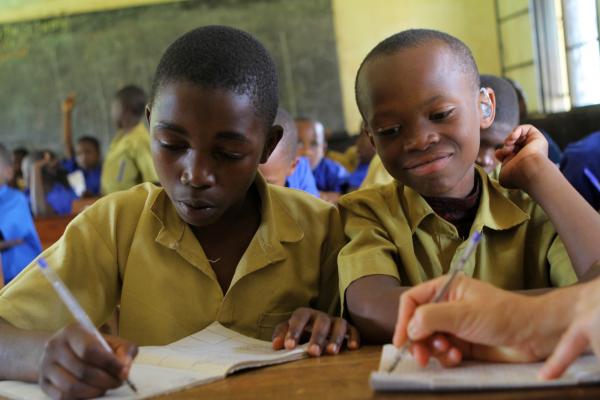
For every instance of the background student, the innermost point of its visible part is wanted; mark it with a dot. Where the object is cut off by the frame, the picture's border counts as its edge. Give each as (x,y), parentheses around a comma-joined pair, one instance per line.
(128,161)
(17,180)
(419,94)
(19,242)
(581,166)
(85,156)
(284,167)
(365,153)
(329,175)
(202,247)
(48,189)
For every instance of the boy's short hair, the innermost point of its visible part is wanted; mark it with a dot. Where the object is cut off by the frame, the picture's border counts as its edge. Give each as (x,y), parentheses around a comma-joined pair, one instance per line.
(221,57)
(132,98)
(289,140)
(413,38)
(91,140)
(5,156)
(507,103)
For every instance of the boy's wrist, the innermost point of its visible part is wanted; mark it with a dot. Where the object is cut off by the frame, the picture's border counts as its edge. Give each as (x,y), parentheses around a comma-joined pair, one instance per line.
(535,168)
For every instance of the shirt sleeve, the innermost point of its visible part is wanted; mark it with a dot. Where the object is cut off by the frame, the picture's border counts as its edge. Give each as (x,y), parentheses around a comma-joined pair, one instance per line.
(370,250)
(85,261)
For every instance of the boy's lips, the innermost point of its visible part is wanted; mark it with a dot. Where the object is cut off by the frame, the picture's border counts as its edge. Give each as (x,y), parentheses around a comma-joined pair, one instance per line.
(428,164)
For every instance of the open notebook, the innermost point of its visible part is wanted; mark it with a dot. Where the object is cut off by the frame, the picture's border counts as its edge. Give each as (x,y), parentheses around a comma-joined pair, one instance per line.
(206,356)
(409,376)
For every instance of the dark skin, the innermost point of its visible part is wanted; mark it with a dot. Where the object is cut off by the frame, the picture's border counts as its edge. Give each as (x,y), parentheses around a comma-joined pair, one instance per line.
(206,145)
(423,117)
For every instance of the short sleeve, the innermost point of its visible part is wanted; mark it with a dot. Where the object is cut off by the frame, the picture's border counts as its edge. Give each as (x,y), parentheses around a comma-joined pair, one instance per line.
(561,269)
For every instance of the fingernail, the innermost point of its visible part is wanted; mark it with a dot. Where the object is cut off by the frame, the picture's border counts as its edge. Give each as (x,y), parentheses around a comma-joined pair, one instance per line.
(354,344)
(412,329)
(290,343)
(333,348)
(437,343)
(315,350)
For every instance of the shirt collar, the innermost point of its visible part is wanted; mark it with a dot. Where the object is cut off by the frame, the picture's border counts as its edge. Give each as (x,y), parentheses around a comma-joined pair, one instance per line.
(496,211)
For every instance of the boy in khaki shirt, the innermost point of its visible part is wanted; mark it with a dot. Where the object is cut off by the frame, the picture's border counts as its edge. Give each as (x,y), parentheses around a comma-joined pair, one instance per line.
(214,243)
(419,94)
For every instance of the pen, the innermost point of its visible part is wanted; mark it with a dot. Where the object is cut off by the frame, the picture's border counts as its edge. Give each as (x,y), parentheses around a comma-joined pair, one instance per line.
(460,266)
(78,313)
(590,175)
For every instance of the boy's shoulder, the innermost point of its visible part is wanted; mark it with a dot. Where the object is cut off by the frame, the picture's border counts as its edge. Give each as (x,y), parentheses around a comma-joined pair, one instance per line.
(379,197)
(11,196)
(298,202)
(127,204)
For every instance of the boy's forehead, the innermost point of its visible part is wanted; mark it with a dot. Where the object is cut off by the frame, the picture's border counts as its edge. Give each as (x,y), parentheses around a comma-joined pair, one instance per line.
(416,73)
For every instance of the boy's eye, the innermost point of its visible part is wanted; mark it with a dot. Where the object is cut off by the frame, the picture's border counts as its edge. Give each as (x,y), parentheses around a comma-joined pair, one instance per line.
(172,146)
(390,131)
(440,116)
(228,155)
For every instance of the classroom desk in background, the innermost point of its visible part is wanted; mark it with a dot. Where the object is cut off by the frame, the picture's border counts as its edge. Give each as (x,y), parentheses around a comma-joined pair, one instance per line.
(50,229)
(344,377)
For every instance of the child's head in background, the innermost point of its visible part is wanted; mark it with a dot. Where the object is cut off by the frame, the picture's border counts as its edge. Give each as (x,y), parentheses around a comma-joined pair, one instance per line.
(418,92)
(51,170)
(505,120)
(127,107)
(6,166)
(87,152)
(311,140)
(283,159)
(214,99)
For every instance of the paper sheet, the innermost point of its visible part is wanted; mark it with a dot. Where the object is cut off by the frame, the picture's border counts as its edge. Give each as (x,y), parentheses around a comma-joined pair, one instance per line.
(203,357)
(409,376)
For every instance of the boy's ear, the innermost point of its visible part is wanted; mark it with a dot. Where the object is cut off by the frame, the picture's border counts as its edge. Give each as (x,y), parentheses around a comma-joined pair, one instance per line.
(369,134)
(487,107)
(148,112)
(273,137)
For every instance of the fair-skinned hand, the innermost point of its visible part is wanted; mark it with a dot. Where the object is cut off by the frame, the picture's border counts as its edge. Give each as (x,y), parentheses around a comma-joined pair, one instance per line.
(583,331)
(69,103)
(327,333)
(76,366)
(475,321)
(521,146)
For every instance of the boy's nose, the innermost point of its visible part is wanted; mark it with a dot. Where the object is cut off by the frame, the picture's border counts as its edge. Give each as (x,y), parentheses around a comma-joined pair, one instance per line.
(420,141)
(199,172)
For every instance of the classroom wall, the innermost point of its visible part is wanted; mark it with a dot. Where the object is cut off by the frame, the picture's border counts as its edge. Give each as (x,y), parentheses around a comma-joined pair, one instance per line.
(360,25)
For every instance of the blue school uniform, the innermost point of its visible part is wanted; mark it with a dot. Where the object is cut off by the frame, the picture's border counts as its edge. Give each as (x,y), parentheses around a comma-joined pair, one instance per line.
(554,153)
(92,176)
(357,177)
(16,223)
(302,178)
(61,199)
(330,176)
(581,155)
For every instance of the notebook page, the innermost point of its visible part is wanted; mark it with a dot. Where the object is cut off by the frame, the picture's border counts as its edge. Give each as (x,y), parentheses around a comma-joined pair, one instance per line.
(216,349)
(475,375)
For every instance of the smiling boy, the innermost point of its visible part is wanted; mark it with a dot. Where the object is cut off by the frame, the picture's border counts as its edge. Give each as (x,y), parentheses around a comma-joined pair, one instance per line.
(419,94)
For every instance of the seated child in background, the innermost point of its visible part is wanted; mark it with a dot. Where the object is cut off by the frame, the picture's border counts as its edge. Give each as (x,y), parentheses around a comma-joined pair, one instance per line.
(128,160)
(329,175)
(554,152)
(17,180)
(365,151)
(284,167)
(48,189)
(85,157)
(506,119)
(214,243)
(581,166)
(19,242)
(419,94)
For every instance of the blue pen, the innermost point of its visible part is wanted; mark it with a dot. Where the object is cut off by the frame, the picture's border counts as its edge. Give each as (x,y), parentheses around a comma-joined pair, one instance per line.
(78,313)
(590,175)
(460,266)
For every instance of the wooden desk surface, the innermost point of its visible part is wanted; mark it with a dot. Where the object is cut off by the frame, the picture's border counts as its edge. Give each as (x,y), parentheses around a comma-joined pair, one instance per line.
(346,377)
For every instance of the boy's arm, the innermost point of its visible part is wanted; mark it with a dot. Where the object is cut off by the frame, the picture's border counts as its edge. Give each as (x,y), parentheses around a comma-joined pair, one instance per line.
(20,352)
(67,108)
(39,205)
(372,303)
(525,165)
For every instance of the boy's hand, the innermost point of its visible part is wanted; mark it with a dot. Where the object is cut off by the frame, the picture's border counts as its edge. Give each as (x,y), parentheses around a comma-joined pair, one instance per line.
(76,366)
(522,148)
(476,320)
(69,103)
(327,333)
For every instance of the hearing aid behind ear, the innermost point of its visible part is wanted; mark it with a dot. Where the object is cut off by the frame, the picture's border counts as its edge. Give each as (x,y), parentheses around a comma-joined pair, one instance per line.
(486,105)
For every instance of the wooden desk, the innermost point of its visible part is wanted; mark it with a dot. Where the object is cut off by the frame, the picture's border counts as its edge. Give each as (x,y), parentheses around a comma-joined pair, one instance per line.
(344,377)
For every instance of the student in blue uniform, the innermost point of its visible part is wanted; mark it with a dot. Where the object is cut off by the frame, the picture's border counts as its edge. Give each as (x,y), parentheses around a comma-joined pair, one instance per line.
(19,242)
(331,177)
(581,166)
(284,167)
